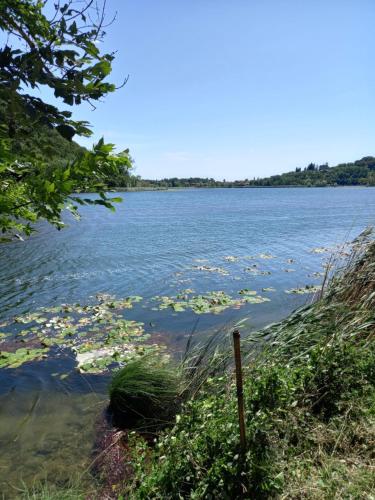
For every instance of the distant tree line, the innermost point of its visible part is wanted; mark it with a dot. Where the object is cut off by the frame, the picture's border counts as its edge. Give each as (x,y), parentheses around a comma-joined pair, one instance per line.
(358,173)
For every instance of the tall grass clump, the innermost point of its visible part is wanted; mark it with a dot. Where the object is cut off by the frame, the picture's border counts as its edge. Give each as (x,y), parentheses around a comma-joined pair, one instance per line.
(144,393)
(309,399)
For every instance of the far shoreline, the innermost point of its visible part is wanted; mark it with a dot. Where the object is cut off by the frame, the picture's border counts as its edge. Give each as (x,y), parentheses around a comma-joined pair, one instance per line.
(185,188)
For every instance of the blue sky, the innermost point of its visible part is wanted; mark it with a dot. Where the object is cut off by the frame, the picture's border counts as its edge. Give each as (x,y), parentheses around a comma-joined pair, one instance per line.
(239,89)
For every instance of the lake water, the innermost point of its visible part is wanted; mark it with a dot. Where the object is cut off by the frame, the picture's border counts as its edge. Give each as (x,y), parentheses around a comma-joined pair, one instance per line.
(156,244)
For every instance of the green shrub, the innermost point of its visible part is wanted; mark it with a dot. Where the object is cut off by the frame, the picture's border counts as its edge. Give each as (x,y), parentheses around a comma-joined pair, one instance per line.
(200,456)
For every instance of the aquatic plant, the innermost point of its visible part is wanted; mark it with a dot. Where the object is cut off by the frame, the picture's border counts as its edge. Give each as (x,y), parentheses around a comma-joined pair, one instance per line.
(211,269)
(20,356)
(213,302)
(256,272)
(97,333)
(305,289)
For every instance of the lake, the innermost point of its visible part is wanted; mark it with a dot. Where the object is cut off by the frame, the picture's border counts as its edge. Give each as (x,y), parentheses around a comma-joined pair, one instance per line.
(157,244)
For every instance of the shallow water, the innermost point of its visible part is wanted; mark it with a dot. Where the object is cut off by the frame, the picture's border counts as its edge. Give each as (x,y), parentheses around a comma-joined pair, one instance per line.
(149,247)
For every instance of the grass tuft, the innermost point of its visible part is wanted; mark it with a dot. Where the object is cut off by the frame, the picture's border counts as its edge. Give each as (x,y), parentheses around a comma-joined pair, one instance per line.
(144,393)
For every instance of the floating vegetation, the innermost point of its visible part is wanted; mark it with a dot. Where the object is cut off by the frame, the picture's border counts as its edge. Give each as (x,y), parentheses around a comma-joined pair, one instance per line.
(231,258)
(306,289)
(213,302)
(20,356)
(320,250)
(316,275)
(256,272)
(97,333)
(98,360)
(246,291)
(210,269)
(251,296)
(266,256)
(258,299)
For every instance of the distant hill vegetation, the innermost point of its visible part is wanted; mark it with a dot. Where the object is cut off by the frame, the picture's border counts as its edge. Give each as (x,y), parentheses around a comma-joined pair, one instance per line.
(358,173)
(44,144)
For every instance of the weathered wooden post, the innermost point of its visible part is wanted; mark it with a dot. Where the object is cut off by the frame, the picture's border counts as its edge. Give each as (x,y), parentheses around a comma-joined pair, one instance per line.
(240,400)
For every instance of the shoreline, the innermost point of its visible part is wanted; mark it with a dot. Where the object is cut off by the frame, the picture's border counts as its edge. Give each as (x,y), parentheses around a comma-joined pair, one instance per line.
(180,188)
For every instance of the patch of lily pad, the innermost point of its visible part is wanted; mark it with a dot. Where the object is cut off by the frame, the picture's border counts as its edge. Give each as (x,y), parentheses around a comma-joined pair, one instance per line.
(213,302)
(97,333)
(251,296)
(320,250)
(256,272)
(266,256)
(316,275)
(211,269)
(231,258)
(305,289)
(20,356)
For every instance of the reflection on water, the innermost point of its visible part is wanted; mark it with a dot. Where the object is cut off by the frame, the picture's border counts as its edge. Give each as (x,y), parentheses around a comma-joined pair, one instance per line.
(150,247)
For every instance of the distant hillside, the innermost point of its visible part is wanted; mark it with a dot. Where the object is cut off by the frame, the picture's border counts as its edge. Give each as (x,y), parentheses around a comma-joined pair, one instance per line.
(45,144)
(358,173)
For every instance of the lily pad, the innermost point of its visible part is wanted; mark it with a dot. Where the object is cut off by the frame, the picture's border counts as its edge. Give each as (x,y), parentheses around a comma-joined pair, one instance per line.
(73,326)
(210,269)
(266,256)
(231,258)
(319,250)
(316,275)
(246,291)
(258,299)
(20,356)
(306,289)
(257,272)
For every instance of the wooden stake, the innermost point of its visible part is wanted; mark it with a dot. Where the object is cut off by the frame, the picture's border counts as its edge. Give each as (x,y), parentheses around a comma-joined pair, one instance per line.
(240,400)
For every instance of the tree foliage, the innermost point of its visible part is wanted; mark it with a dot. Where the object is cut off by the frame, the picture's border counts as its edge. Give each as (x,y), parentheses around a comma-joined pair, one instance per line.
(58,52)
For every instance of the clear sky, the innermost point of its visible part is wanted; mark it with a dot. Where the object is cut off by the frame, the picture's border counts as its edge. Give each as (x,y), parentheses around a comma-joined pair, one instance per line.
(239,89)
